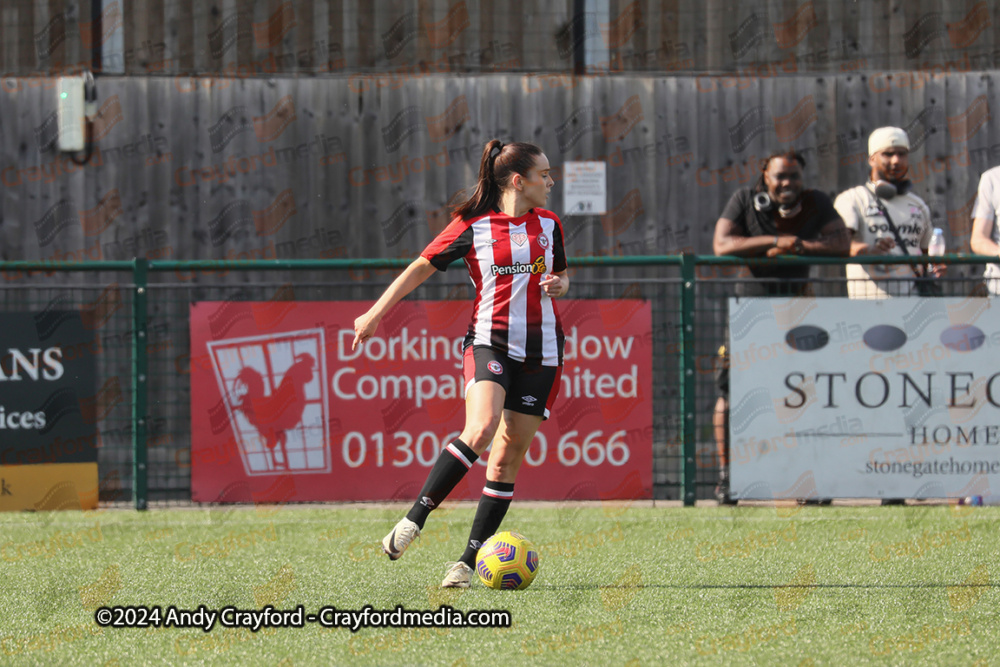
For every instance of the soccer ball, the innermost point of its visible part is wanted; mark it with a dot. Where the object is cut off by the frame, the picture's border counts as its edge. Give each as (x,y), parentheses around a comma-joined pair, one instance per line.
(507,560)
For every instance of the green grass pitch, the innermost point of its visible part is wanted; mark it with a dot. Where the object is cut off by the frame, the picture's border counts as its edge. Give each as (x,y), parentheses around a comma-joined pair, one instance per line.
(633,585)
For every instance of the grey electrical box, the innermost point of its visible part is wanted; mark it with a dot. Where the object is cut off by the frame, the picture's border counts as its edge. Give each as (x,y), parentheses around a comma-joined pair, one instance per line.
(70,106)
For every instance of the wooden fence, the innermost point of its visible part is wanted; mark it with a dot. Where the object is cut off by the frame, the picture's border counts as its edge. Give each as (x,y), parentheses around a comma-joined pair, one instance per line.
(365,166)
(295,37)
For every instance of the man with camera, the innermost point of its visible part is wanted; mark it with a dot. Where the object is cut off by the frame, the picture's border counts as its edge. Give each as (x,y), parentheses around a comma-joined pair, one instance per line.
(886,218)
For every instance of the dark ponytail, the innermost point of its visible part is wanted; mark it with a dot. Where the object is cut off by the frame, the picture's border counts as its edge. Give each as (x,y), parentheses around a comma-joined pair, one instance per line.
(497,165)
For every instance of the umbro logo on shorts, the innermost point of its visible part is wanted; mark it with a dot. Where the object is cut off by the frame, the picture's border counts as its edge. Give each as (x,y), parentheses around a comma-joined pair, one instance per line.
(528,400)
(495,367)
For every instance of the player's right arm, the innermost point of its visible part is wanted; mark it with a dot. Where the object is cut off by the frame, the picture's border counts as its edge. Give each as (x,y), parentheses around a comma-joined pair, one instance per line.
(416,273)
(452,243)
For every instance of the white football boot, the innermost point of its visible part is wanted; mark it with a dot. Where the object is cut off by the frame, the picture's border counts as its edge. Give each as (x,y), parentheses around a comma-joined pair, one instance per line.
(459,575)
(395,543)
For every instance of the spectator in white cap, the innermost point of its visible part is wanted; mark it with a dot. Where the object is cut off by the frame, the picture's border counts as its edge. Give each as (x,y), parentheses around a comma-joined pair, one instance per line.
(881,215)
(985,231)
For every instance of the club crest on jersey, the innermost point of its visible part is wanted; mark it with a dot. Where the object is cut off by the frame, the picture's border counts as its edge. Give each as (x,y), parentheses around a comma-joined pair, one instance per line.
(535,268)
(495,367)
(543,241)
(520,238)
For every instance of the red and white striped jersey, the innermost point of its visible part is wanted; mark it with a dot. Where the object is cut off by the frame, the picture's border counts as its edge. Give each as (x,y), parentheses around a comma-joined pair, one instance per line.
(507,258)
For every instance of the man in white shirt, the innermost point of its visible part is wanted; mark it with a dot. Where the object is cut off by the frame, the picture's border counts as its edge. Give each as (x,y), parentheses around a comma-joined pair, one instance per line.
(985,232)
(863,209)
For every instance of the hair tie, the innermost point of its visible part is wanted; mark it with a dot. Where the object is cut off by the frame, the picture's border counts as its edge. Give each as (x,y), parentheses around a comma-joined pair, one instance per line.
(499,149)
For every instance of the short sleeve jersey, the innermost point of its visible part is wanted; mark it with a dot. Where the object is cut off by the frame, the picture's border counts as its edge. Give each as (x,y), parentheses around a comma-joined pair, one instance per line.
(817,211)
(506,258)
(988,207)
(912,218)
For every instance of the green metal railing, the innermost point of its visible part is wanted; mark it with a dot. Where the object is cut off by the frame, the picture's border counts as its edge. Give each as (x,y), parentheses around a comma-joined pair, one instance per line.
(641,270)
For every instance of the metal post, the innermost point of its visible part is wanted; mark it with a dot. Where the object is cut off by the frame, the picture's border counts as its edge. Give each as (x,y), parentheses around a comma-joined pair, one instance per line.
(96,30)
(139,374)
(687,379)
(579,33)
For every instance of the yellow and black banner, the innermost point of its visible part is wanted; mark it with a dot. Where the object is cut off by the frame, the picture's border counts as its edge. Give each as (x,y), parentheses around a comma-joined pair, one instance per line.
(48,411)
(49,486)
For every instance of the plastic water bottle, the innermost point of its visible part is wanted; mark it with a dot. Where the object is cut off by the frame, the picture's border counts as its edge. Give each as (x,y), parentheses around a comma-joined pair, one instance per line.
(936,246)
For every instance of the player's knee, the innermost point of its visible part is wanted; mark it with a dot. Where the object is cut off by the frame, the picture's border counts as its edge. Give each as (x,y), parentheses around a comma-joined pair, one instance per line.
(514,442)
(479,433)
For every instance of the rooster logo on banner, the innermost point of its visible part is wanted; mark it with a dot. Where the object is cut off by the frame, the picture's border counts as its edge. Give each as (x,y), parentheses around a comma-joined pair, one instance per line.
(273,415)
(275,398)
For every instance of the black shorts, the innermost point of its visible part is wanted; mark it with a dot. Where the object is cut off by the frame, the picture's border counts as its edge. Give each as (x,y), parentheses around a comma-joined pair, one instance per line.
(531,388)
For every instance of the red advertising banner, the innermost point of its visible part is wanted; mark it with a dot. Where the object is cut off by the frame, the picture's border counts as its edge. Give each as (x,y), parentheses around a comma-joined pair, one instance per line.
(283,410)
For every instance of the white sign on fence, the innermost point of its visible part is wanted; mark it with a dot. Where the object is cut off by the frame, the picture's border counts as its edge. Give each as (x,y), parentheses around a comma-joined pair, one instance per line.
(840,398)
(585,188)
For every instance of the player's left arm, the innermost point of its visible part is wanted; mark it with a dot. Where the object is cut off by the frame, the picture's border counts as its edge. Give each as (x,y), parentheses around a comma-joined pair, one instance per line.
(555,283)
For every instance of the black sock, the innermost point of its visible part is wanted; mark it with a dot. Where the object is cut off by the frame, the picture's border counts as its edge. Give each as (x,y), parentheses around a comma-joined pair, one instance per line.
(449,469)
(493,506)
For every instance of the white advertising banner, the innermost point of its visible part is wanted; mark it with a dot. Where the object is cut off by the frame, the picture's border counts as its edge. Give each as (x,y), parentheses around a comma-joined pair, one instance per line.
(842,398)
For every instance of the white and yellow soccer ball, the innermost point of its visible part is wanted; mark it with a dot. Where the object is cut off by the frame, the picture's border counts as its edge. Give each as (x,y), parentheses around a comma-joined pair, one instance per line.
(507,560)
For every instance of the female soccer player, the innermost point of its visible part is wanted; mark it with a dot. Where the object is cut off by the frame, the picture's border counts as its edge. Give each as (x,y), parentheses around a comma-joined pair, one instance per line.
(513,249)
